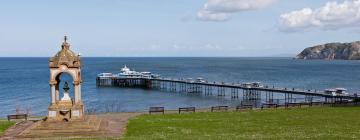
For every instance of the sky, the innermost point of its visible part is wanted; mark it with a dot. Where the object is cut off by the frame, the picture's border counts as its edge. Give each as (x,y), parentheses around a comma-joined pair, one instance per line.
(175,28)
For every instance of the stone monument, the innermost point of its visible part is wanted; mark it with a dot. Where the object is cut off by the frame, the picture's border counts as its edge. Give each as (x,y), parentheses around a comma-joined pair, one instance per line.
(66,117)
(65,109)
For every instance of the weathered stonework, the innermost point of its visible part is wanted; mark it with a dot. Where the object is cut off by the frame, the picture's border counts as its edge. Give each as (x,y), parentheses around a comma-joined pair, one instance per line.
(66,118)
(65,61)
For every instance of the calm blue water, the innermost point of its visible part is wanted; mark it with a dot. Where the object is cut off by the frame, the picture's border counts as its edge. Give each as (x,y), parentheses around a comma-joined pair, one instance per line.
(24,81)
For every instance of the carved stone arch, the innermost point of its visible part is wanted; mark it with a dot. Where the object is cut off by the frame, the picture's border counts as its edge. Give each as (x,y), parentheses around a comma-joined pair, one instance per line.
(58,75)
(56,72)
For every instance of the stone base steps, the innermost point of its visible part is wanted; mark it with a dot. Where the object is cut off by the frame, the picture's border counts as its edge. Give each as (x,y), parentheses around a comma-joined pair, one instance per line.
(90,126)
(90,123)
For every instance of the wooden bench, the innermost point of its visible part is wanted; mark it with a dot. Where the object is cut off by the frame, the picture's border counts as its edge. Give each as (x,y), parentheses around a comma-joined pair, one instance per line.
(329,103)
(156,110)
(219,108)
(186,109)
(287,105)
(355,102)
(244,106)
(269,105)
(343,102)
(17,116)
(316,103)
(305,103)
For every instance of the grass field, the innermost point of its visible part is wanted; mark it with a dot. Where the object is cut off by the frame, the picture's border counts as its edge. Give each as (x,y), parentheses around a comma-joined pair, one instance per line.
(309,123)
(4,124)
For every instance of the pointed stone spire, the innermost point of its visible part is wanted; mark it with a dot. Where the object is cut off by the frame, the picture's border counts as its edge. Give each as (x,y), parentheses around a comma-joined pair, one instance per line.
(65,57)
(65,44)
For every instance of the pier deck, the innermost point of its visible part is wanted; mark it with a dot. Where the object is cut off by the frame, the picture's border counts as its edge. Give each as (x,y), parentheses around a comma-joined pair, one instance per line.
(249,92)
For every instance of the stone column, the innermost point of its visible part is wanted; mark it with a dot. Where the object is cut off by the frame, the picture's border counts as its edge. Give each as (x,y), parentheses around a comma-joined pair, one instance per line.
(57,92)
(76,93)
(53,98)
(79,93)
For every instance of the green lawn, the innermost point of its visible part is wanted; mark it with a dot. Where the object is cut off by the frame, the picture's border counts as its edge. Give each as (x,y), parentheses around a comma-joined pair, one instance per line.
(4,124)
(309,123)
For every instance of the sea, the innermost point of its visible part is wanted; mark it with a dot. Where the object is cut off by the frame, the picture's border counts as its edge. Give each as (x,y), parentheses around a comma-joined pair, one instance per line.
(24,83)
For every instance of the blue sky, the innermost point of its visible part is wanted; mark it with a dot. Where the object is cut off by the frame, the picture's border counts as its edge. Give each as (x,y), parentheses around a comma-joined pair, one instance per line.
(123,28)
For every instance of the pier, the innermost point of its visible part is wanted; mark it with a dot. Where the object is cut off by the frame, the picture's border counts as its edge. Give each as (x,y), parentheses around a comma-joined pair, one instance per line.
(247,91)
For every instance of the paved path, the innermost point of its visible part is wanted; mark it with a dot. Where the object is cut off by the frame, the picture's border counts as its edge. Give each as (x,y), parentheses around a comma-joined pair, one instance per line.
(114,126)
(16,130)
(116,123)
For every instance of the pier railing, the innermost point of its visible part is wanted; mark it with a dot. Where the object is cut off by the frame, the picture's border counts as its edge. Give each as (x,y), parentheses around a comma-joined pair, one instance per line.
(248,91)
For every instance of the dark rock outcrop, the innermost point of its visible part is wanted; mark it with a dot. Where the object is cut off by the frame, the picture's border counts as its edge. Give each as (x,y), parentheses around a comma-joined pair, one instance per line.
(330,51)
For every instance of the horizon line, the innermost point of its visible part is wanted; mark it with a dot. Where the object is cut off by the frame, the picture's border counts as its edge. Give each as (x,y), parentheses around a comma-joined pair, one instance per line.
(155,57)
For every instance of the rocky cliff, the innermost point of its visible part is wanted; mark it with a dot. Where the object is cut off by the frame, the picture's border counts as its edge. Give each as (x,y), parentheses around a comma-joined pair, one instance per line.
(330,51)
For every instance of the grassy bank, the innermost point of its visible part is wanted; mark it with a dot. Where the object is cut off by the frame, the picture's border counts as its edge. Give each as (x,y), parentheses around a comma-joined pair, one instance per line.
(309,123)
(4,124)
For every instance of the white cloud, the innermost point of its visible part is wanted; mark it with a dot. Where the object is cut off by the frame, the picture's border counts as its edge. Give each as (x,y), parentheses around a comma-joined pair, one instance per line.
(222,10)
(332,15)
(213,16)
